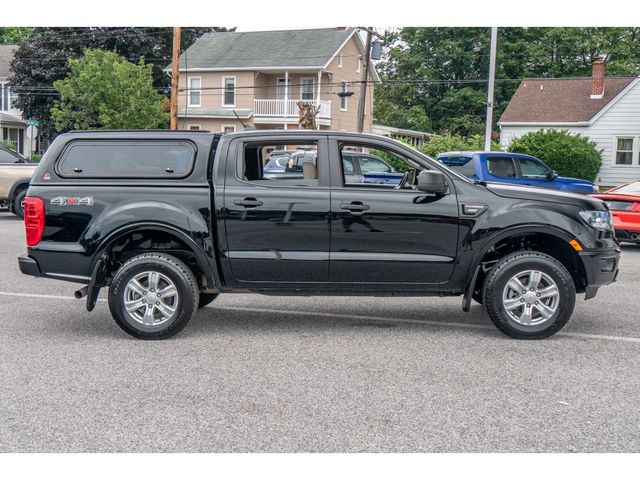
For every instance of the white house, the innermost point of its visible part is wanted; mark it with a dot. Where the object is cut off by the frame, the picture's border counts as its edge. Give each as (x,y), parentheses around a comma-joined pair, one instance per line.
(605,109)
(12,127)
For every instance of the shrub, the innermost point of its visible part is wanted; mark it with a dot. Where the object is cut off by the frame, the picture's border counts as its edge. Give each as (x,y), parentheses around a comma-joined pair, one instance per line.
(571,155)
(448,142)
(8,144)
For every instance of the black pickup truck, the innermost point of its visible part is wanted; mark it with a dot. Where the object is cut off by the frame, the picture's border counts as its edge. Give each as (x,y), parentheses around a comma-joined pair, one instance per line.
(169,220)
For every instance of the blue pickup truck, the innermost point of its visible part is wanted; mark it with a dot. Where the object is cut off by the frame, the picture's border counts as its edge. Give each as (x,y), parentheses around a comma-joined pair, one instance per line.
(514,168)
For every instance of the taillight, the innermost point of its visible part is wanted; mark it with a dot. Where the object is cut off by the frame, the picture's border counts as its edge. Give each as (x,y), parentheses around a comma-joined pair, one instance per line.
(635,207)
(33,220)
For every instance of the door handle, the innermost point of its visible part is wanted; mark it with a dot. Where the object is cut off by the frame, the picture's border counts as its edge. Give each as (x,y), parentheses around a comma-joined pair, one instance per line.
(356,208)
(248,202)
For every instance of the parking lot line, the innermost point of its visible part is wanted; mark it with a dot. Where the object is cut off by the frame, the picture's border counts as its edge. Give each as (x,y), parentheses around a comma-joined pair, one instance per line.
(590,336)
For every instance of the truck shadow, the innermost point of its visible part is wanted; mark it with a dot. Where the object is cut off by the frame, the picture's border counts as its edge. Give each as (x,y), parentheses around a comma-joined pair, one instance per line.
(236,320)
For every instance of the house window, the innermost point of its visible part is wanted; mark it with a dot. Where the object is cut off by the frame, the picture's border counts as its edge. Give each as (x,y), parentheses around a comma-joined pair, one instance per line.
(228,128)
(306,89)
(358,64)
(624,150)
(229,94)
(193,127)
(195,94)
(340,60)
(343,99)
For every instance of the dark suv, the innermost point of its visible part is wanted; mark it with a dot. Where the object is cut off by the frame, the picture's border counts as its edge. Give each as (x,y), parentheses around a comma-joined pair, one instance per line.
(168,220)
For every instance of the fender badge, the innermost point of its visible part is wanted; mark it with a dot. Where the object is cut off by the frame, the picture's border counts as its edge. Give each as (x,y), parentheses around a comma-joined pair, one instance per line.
(46,176)
(65,201)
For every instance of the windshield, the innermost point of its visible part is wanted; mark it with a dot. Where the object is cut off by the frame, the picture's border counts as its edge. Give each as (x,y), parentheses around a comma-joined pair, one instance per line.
(463,165)
(630,188)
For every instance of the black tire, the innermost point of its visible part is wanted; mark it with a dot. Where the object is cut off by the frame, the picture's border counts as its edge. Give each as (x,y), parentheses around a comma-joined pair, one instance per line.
(17,203)
(174,270)
(504,271)
(206,299)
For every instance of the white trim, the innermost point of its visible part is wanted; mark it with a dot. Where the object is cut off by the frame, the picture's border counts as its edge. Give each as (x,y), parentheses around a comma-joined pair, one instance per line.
(189,125)
(190,91)
(324,67)
(294,68)
(313,86)
(614,100)
(222,127)
(543,124)
(224,91)
(635,149)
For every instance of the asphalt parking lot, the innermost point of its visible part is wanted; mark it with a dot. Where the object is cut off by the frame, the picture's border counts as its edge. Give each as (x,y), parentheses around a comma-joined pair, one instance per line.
(325,374)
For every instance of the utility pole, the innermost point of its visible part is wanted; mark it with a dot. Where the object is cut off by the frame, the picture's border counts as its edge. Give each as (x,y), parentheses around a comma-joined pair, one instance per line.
(364,78)
(492,80)
(175,72)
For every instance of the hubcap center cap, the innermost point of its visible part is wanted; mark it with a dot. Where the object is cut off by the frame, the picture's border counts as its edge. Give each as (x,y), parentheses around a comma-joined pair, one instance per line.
(530,297)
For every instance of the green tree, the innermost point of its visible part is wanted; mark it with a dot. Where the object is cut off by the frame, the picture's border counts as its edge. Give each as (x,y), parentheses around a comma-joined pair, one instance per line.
(447,142)
(104,90)
(44,58)
(11,35)
(571,155)
(443,71)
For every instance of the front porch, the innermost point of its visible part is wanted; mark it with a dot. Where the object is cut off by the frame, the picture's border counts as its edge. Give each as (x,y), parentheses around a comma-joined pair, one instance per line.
(286,111)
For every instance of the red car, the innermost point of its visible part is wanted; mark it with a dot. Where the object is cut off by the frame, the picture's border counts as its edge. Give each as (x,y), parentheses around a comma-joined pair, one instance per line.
(624,202)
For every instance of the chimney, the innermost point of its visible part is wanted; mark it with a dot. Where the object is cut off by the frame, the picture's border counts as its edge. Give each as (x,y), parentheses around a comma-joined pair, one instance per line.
(597,77)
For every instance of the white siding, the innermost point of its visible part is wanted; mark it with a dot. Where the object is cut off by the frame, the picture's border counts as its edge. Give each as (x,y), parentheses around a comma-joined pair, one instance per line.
(622,118)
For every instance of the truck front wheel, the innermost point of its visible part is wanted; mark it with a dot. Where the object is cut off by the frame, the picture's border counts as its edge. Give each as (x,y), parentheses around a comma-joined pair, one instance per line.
(529,295)
(153,296)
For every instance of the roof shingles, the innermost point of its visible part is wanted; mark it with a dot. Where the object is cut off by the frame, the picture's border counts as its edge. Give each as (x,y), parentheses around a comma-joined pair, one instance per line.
(560,100)
(283,48)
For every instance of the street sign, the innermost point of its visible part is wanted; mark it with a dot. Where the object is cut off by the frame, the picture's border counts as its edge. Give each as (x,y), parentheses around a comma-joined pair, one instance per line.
(32,122)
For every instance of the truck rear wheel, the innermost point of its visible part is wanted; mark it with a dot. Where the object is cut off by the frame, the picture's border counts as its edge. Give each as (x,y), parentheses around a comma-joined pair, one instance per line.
(153,296)
(529,295)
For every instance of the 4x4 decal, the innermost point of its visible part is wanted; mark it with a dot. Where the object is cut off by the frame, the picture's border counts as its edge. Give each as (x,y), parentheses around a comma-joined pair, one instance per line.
(65,201)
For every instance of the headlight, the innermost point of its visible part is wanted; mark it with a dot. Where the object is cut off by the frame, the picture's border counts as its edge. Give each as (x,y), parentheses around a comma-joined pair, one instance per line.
(598,219)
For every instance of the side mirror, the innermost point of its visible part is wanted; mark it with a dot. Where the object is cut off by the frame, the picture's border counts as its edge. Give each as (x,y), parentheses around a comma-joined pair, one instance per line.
(432,181)
(552,175)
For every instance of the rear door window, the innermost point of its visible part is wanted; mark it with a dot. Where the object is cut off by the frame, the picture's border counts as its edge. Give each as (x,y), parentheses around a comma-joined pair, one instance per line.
(128,159)
(502,167)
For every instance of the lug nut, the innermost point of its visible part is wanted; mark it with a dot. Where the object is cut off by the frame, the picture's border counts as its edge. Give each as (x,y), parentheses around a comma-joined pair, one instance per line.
(144,301)
(158,303)
(144,293)
(522,300)
(537,294)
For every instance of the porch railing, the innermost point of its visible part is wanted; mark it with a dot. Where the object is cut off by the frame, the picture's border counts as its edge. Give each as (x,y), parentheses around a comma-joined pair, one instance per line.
(287,108)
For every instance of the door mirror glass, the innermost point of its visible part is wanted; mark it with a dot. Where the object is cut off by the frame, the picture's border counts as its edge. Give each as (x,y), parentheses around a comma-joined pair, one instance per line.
(431,181)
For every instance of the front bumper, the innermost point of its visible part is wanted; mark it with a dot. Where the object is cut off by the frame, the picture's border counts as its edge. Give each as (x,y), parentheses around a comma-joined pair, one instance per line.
(29,265)
(601,268)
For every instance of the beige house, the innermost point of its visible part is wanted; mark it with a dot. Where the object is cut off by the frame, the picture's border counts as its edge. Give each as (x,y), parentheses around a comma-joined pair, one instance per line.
(255,79)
